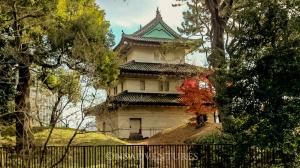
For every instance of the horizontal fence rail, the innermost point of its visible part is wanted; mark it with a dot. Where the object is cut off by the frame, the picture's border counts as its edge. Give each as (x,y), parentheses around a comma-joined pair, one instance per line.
(135,156)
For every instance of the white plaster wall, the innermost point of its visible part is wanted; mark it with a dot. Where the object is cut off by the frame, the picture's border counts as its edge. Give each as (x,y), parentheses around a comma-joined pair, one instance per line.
(154,119)
(151,85)
(119,87)
(111,122)
(146,54)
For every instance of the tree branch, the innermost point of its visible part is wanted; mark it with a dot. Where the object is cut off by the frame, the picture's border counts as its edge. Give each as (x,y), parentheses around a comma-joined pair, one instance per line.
(31,16)
(50,66)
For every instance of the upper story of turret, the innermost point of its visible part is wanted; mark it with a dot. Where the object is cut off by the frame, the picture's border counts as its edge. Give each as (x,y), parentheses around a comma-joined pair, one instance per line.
(153,65)
(149,44)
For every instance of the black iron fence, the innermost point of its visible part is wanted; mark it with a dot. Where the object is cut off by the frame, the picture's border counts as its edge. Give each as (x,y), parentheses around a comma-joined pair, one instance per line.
(136,156)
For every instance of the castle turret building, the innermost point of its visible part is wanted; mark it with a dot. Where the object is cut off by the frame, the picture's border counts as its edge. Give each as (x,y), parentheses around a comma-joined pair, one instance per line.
(145,100)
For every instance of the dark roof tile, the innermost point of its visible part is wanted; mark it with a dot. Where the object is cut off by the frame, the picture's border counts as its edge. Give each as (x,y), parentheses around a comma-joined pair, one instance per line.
(146,39)
(146,98)
(142,67)
(138,35)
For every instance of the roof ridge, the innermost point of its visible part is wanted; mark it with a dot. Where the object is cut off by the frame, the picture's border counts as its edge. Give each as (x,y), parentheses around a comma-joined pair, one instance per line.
(158,13)
(154,22)
(138,36)
(158,93)
(145,28)
(155,63)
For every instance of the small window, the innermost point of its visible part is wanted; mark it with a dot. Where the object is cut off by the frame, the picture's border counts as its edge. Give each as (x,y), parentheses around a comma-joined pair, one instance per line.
(163,56)
(156,55)
(161,86)
(166,85)
(142,84)
(122,87)
(115,90)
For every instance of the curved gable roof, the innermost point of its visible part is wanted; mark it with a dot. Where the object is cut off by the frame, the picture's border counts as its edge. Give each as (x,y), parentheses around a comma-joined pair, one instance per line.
(155,32)
(156,24)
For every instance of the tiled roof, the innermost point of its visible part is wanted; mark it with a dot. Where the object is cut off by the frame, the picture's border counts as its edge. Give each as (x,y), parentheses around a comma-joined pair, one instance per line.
(145,39)
(146,99)
(159,68)
(138,36)
(153,23)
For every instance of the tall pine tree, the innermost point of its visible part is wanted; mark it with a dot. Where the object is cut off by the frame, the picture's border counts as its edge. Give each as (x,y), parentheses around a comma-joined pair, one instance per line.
(206,20)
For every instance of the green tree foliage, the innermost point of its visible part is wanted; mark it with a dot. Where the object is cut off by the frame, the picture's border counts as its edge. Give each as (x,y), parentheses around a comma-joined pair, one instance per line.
(64,33)
(7,76)
(65,84)
(79,37)
(261,97)
(7,89)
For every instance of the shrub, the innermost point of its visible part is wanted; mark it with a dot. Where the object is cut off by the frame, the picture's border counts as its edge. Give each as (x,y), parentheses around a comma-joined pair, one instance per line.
(8,130)
(215,137)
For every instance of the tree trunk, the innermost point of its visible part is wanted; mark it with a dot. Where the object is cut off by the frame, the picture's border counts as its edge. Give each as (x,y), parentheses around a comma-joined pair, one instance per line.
(218,23)
(217,57)
(200,120)
(52,122)
(24,136)
(54,115)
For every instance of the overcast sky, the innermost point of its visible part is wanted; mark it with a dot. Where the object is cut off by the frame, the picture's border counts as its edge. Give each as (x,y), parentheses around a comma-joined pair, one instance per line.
(128,15)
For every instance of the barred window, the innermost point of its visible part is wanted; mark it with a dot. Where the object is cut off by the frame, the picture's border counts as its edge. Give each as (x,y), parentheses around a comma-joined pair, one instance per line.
(156,55)
(161,86)
(142,84)
(164,85)
(115,90)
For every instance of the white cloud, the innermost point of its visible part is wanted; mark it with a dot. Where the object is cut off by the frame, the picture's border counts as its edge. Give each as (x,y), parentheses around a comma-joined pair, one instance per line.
(171,15)
(132,13)
(122,23)
(127,13)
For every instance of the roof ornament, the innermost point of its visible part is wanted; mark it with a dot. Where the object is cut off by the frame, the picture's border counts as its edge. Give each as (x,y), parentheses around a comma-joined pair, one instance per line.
(123,32)
(158,15)
(140,26)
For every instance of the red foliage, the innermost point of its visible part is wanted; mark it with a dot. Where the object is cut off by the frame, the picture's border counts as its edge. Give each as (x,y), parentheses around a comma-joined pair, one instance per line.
(198,94)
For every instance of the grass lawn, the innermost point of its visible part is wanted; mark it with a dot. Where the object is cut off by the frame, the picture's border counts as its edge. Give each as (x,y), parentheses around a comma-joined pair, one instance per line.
(95,155)
(60,137)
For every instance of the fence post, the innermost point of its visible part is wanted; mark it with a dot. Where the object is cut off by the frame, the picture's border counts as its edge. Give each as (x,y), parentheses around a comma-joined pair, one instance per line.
(84,161)
(2,158)
(208,155)
(146,156)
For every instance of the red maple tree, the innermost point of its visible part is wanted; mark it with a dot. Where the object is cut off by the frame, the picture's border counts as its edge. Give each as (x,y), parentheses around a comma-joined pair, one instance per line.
(198,94)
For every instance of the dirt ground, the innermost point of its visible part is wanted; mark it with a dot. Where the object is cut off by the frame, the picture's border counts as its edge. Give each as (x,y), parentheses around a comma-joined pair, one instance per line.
(180,134)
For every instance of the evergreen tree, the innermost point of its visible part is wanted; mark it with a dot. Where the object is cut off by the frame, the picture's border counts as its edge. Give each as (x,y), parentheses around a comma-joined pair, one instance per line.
(7,88)
(206,20)
(261,97)
(52,34)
